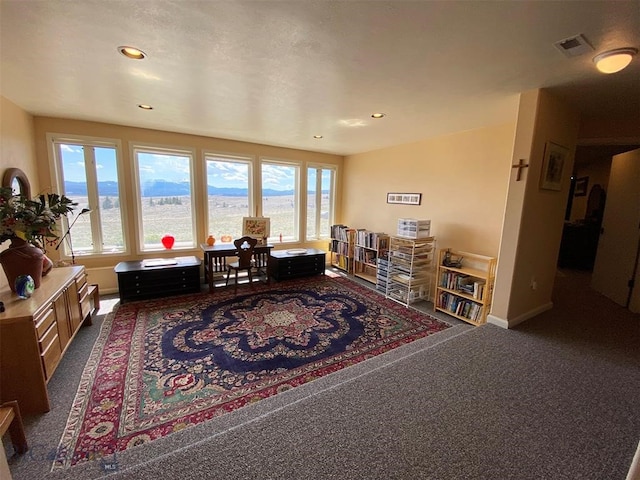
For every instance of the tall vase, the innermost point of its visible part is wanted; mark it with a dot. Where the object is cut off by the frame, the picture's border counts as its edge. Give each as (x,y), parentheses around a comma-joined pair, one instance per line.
(21,258)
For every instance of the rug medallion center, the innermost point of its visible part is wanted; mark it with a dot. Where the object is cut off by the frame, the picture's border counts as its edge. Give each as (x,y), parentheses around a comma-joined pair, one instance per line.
(280,319)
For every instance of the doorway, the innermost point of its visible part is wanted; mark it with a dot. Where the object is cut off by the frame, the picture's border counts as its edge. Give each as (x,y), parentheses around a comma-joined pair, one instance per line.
(582,232)
(586,203)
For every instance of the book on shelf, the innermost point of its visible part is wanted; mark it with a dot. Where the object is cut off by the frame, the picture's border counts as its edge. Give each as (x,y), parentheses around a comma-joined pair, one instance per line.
(478,288)
(460,306)
(341,248)
(463,283)
(365,255)
(372,240)
(340,232)
(342,262)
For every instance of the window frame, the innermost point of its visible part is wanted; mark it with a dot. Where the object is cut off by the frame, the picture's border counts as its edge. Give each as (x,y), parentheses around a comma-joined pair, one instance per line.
(319,167)
(150,148)
(300,222)
(249,160)
(54,140)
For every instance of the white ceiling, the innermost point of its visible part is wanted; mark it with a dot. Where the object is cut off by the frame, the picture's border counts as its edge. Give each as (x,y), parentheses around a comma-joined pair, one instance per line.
(279,72)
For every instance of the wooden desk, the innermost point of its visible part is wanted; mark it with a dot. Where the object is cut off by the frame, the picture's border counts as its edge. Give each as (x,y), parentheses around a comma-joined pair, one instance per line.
(215,259)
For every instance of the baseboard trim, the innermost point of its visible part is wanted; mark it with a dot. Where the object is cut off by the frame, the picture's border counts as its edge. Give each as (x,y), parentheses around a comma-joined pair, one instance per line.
(510,323)
(500,322)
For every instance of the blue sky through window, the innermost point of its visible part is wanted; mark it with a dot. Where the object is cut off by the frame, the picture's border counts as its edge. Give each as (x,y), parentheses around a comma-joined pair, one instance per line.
(155,166)
(104,163)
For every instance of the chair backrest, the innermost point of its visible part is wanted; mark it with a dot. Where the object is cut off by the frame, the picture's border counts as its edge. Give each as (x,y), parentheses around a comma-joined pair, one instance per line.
(245,246)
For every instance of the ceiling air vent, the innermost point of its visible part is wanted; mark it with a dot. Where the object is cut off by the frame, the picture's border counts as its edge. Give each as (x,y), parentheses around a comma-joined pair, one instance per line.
(574,46)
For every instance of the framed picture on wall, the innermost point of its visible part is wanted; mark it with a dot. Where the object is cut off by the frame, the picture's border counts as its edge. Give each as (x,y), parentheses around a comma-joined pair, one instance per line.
(555,157)
(404,198)
(256,227)
(580,189)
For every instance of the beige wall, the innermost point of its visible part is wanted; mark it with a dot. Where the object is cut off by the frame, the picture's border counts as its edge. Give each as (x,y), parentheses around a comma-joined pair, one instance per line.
(17,148)
(462,178)
(621,130)
(100,269)
(534,217)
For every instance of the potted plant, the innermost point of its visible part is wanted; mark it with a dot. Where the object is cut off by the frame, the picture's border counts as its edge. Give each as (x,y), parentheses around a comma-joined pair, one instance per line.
(29,224)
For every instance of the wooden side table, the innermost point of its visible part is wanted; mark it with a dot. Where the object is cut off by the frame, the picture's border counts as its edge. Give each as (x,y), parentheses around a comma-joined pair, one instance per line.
(11,420)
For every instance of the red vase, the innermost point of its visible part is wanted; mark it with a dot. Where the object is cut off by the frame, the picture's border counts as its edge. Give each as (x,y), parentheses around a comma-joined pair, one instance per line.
(21,258)
(168,241)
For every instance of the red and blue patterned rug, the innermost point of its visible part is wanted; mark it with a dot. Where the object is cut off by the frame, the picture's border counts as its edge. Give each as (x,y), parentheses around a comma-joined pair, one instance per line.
(163,365)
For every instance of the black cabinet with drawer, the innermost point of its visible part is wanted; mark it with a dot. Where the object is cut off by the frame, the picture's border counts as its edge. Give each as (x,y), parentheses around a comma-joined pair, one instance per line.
(285,264)
(139,280)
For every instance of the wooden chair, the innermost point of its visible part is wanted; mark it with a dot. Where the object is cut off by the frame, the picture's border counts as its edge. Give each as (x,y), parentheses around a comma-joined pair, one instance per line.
(11,420)
(244,246)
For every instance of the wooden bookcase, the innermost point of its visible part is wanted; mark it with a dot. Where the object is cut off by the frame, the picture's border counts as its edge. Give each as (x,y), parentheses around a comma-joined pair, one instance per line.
(465,291)
(368,247)
(342,247)
(410,269)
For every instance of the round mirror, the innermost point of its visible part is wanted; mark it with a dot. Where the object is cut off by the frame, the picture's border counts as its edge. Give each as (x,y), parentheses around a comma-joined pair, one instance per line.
(18,181)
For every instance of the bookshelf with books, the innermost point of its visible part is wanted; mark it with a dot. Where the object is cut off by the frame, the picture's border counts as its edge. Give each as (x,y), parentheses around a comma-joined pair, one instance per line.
(410,269)
(367,248)
(464,285)
(341,247)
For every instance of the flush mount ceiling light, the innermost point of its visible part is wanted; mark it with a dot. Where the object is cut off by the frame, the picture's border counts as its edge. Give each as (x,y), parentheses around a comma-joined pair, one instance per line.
(613,61)
(145,107)
(317,136)
(377,115)
(132,52)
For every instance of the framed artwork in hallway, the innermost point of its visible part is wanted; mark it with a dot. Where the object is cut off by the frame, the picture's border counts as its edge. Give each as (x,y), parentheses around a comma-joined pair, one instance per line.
(555,157)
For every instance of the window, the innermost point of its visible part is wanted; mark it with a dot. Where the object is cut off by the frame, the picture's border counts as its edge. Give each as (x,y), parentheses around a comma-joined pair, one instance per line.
(165,197)
(320,201)
(88,174)
(229,194)
(280,199)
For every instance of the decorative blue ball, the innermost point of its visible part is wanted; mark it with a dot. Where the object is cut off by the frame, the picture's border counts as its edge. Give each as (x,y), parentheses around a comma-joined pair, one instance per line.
(25,286)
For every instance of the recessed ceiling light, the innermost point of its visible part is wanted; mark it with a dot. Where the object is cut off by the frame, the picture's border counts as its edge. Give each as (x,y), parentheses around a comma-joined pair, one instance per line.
(317,136)
(145,107)
(614,60)
(132,52)
(377,115)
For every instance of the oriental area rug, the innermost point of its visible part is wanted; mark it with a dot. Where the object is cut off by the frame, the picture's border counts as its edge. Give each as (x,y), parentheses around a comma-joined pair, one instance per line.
(163,365)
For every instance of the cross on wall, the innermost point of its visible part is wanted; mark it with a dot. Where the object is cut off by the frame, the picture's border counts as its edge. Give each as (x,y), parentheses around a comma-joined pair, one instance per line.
(520,165)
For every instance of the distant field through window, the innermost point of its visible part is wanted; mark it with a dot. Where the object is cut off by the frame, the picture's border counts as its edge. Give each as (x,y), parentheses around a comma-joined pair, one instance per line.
(229,194)
(280,200)
(185,193)
(89,176)
(165,194)
(320,202)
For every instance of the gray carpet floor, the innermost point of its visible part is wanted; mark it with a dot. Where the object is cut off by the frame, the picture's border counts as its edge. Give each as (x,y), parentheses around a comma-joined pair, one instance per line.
(555,398)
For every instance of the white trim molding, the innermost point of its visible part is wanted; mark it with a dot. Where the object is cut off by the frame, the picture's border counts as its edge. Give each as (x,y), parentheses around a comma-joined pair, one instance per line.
(510,323)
